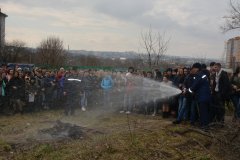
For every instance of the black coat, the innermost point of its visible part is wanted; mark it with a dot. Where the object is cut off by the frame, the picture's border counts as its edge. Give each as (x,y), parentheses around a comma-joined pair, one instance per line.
(16,87)
(224,85)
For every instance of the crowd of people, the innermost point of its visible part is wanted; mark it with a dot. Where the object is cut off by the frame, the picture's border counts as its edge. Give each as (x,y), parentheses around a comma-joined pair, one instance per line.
(204,92)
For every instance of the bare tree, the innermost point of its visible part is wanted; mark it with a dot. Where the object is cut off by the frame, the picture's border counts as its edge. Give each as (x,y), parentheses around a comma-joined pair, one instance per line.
(155,45)
(51,52)
(232,20)
(17,50)
(14,51)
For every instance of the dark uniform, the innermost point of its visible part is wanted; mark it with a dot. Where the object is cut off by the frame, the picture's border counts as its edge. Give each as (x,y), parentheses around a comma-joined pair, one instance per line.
(202,91)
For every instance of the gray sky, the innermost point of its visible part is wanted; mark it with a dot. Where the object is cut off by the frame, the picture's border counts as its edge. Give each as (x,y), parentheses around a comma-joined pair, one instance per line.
(115,25)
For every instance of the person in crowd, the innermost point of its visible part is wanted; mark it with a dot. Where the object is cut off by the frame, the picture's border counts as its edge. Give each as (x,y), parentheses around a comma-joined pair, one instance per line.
(178,82)
(174,73)
(212,77)
(2,90)
(144,74)
(157,75)
(31,91)
(8,78)
(89,82)
(204,70)
(70,93)
(169,74)
(116,91)
(107,85)
(212,82)
(48,87)
(4,68)
(165,105)
(190,107)
(129,91)
(120,85)
(235,97)
(173,77)
(221,93)
(98,91)
(16,93)
(60,79)
(10,74)
(185,71)
(40,97)
(201,89)
(147,84)
(54,86)
(137,90)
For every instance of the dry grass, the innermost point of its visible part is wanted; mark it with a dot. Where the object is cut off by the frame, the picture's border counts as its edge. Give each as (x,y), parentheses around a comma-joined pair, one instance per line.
(111,136)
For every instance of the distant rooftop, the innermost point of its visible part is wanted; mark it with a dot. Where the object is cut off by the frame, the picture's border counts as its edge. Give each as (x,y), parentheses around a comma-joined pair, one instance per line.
(2,14)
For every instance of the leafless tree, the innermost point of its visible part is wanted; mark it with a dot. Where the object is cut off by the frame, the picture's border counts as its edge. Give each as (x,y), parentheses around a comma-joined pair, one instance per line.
(155,45)
(14,51)
(51,52)
(232,20)
(17,50)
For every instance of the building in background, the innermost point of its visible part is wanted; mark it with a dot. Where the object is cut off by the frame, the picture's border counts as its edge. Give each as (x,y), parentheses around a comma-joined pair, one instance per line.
(2,28)
(233,53)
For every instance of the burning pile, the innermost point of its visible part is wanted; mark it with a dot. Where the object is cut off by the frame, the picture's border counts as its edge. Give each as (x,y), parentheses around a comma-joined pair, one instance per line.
(63,130)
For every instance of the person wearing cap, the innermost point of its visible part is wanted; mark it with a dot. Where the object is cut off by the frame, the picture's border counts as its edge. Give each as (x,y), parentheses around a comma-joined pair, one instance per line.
(201,89)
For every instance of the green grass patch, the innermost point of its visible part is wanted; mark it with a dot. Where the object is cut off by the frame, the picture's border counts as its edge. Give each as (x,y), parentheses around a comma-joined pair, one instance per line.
(4,146)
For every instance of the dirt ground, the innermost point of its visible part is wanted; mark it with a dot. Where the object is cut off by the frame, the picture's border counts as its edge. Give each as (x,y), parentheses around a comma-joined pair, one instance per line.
(100,135)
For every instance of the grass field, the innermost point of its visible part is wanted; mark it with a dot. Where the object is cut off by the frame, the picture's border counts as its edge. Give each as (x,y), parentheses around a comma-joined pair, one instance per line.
(114,137)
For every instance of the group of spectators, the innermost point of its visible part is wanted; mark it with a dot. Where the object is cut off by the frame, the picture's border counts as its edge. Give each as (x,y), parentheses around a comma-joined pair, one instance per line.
(204,92)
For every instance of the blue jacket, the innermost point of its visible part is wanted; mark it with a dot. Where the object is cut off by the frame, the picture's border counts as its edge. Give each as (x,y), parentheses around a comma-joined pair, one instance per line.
(201,87)
(107,82)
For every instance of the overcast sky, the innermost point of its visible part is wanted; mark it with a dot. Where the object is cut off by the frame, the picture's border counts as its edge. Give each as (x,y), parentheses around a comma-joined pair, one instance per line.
(115,25)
